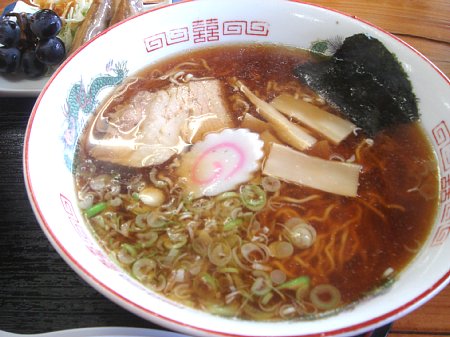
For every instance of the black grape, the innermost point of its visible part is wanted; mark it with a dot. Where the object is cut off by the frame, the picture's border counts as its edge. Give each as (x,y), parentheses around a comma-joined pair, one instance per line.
(9,59)
(31,66)
(45,24)
(9,32)
(28,42)
(50,51)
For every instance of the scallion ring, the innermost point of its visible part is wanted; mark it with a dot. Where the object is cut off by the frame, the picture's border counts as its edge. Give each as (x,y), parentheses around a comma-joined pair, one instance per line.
(253,197)
(325,296)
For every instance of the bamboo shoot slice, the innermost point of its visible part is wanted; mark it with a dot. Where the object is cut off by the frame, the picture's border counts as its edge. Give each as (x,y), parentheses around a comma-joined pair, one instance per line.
(330,126)
(263,128)
(254,124)
(292,134)
(296,167)
(268,138)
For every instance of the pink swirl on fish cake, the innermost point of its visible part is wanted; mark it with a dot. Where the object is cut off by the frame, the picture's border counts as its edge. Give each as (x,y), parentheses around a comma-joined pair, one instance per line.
(218,166)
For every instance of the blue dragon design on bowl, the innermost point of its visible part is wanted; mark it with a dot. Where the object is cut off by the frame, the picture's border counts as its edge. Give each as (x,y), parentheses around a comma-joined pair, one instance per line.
(82,101)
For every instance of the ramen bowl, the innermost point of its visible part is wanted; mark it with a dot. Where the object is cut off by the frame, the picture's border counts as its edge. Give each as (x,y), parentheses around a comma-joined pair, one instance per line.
(87,77)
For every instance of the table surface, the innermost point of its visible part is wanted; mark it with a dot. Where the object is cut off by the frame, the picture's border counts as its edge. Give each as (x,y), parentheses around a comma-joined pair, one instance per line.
(39,292)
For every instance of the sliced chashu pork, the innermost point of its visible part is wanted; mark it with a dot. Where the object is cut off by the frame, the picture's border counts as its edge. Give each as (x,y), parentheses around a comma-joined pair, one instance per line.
(153,126)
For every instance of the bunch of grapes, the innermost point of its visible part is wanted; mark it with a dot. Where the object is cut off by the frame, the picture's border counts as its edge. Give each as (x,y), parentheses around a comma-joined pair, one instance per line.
(30,44)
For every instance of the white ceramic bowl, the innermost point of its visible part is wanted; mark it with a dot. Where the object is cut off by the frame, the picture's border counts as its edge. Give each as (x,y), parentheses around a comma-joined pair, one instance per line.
(82,81)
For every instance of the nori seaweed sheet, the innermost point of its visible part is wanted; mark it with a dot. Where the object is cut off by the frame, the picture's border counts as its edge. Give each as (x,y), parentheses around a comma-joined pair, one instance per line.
(365,82)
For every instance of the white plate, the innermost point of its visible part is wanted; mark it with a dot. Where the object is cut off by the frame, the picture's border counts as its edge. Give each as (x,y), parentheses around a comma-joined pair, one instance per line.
(102,332)
(19,86)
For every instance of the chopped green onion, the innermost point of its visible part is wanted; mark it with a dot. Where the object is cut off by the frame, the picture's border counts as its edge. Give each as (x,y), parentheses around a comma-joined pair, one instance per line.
(131,249)
(227,195)
(221,310)
(232,224)
(99,221)
(227,270)
(219,253)
(209,281)
(302,281)
(135,196)
(266,298)
(180,242)
(151,240)
(142,267)
(95,209)
(261,286)
(301,292)
(150,254)
(325,296)
(246,295)
(253,197)
(158,222)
